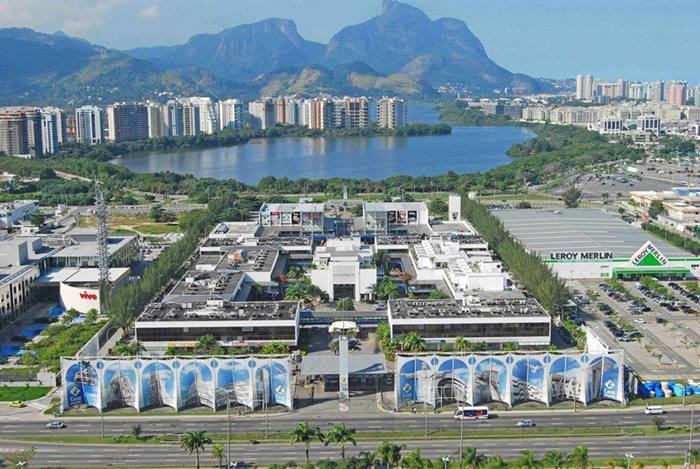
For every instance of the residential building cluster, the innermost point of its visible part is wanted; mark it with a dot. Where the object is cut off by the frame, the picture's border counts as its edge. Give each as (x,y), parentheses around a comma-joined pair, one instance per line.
(33,132)
(673,92)
(327,112)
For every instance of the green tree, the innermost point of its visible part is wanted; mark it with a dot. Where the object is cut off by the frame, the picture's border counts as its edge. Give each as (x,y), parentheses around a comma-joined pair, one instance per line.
(494,462)
(658,422)
(656,208)
(472,457)
(21,458)
(195,442)
(368,459)
(694,457)
(305,434)
(345,304)
(462,344)
(296,271)
(572,197)
(218,452)
(412,342)
(136,431)
(438,295)
(579,457)
(389,454)
(342,436)
(207,344)
(527,460)
(91,316)
(555,459)
(275,348)
(413,460)
(295,292)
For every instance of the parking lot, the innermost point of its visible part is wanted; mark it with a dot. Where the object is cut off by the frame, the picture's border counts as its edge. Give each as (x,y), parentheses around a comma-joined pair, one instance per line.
(656,323)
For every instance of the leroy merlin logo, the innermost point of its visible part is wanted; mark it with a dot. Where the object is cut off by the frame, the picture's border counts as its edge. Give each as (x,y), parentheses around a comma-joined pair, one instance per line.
(649,256)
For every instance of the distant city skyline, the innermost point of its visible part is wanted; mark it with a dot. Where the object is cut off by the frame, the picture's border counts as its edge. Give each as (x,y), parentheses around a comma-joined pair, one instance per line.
(549,38)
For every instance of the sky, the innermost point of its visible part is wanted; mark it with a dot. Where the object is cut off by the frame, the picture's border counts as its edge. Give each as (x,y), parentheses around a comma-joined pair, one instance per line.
(632,39)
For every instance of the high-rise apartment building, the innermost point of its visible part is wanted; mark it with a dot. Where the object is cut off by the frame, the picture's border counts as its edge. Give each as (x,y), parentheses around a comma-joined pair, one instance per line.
(127,122)
(697,95)
(352,113)
(656,91)
(20,132)
(173,119)
(391,113)
(579,87)
(89,126)
(156,120)
(53,129)
(588,87)
(676,93)
(262,113)
(320,113)
(230,113)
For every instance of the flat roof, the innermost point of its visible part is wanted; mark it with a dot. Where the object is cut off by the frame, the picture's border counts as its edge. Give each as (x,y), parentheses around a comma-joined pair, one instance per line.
(293,207)
(81,275)
(579,230)
(479,305)
(89,248)
(220,311)
(391,206)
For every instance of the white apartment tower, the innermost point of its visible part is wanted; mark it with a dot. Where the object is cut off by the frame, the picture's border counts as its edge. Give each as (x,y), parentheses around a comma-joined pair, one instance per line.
(53,130)
(89,125)
(230,113)
(391,113)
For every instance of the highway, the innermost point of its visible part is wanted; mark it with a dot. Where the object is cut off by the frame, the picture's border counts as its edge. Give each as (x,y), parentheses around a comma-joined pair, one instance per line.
(53,454)
(366,420)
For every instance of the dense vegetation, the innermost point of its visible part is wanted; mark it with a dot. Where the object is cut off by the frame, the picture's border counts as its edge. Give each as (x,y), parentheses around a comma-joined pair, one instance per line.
(455,111)
(527,268)
(676,239)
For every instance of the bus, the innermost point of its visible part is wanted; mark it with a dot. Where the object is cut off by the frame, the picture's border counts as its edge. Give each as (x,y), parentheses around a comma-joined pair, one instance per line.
(471,413)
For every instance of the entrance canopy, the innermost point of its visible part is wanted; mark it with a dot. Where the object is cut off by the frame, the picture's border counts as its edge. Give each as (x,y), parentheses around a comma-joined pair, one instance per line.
(358,364)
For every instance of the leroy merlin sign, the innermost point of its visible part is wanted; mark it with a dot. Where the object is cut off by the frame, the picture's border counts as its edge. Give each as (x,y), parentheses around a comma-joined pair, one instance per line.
(649,256)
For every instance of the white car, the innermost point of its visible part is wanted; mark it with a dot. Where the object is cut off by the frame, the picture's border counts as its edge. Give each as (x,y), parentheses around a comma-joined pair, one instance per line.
(525,423)
(55,425)
(639,321)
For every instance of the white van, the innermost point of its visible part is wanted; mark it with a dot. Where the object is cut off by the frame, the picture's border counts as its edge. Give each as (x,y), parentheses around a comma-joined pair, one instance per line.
(653,410)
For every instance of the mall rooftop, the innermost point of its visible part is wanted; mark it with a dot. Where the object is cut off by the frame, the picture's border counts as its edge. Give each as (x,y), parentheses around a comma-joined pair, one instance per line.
(479,305)
(547,232)
(219,310)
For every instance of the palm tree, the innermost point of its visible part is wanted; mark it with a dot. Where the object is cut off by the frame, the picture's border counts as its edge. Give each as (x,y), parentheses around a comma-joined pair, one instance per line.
(412,342)
(304,433)
(472,457)
(295,293)
(368,459)
(462,344)
(382,258)
(527,460)
(136,347)
(555,459)
(413,460)
(665,464)
(194,442)
(389,454)
(640,465)
(579,457)
(694,456)
(218,451)
(296,271)
(341,436)
(495,462)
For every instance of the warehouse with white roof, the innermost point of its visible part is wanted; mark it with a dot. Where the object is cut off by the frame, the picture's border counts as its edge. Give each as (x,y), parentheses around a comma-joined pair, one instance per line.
(590,243)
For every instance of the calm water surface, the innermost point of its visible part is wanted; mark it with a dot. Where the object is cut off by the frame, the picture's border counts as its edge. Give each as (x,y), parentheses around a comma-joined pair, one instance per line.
(468,149)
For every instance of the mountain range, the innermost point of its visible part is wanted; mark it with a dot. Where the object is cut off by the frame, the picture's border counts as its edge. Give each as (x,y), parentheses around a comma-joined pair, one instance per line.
(401,51)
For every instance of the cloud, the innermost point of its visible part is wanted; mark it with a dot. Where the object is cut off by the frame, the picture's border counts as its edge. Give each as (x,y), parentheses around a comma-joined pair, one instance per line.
(150,11)
(75,17)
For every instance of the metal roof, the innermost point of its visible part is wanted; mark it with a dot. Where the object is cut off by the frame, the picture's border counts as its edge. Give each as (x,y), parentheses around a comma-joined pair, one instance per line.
(358,364)
(579,230)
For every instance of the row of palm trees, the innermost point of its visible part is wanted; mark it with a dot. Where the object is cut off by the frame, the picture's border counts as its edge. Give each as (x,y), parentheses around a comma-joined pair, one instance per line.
(339,435)
(389,455)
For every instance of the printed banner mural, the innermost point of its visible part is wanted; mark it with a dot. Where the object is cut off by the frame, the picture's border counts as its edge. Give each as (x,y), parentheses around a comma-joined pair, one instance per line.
(474,379)
(146,382)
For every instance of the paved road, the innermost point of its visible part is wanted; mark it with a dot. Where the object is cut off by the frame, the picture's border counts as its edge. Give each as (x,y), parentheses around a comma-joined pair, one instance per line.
(51,454)
(361,420)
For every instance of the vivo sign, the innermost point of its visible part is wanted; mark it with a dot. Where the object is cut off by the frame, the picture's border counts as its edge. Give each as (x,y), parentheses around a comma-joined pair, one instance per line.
(88,296)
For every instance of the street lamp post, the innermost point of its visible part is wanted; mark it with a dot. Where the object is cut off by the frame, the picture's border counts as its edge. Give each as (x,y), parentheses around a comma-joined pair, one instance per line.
(102,423)
(629,457)
(690,437)
(446,461)
(228,427)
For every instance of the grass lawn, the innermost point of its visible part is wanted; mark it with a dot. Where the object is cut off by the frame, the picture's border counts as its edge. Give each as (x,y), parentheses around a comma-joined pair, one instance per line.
(157,228)
(22,393)
(19,374)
